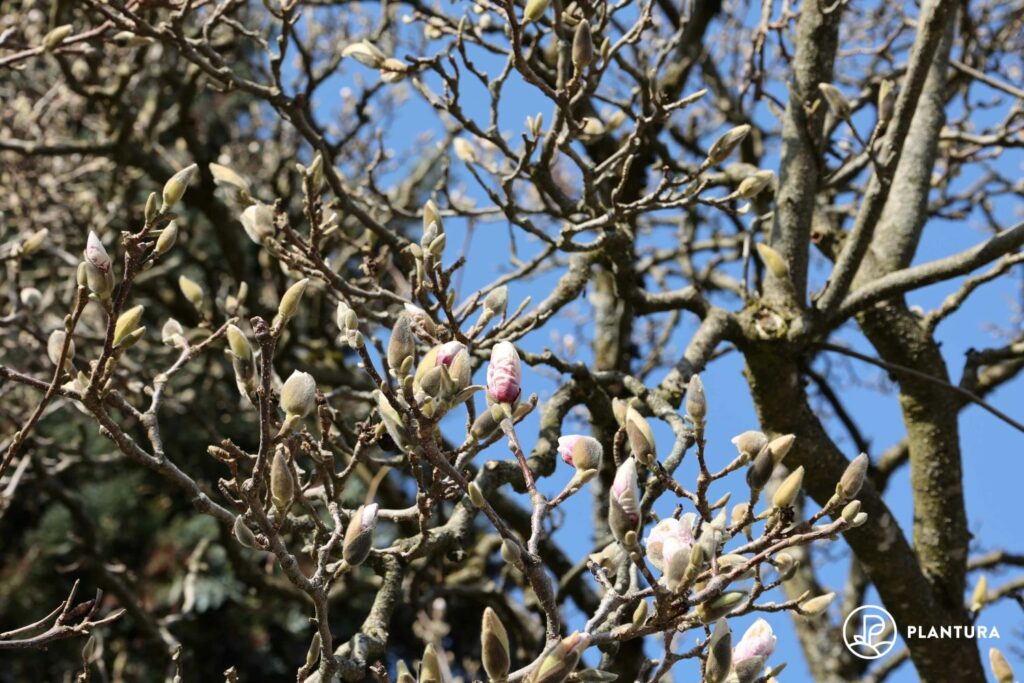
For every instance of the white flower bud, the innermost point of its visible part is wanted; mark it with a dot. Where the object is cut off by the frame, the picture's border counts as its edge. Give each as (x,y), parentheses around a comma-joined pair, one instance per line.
(54,346)
(298,394)
(258,222)
(174,188)
(192,291)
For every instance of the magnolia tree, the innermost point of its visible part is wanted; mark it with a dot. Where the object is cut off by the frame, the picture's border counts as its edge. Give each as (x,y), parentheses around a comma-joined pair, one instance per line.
(247,397)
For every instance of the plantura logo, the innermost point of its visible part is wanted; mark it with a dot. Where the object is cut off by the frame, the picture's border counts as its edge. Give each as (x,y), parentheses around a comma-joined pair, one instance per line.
(870,632)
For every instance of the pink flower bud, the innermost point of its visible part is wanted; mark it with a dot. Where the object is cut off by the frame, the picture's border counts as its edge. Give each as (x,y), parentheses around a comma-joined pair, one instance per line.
(359,535)
(753,650)
(582,452)
(369,517)
(678,531)
(625,479)
(623,505)
(504,373)
(446,354)
(565,446)
(96,254)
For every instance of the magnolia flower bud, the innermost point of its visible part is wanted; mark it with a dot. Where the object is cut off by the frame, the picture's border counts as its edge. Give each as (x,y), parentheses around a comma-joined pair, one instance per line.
(753,184)
(192,291)
(680,530)
(851,511)
(696,403)
(724,146)
(836,102)
(719,660)
(721,606)
(510,552)
(487,423)
(779,447)
(30,298)
(152,208)
(402,673)
(465,150)
(560,659)
(494,649)
(393,70)
(582,452)
(504,373)
(461,370)
(753,651)
(980,594)
(886,102)
(620,409)
(313,654)
(238,343)
(298,395)
(535,9)
(172,333)
(739,513)
(582,46)
(432,218)
(346,318)
(34,242)
(731,561)
(258,222)
(760,470)
(591,128)
(713,535)
(483,426)
(174,188)
(282,483)
(89,649)
(99,282)
(132,337)
(290,301)
(786,566)
(641,437)
(243,534)
(749,443)
(677,563)
(447,353)
(853,477)
(223,175)
(640,613)
(476,496)
(401,346)
(697,555)
(789,489)
(359,535)
(168,236)
(430,668)
(95,254)
(392,422)
(773,261)
(535,124)
(623,506)
(496,301)
(126,323)
(1000,667)
(56,36)
(815,606)
(366,53)
(315,173)
(54,346)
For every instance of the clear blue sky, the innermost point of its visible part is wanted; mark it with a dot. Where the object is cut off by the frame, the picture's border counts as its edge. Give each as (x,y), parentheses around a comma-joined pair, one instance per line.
(992,451)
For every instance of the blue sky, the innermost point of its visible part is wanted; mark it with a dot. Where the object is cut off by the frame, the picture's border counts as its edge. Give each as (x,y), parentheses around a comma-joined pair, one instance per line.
(992,451)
